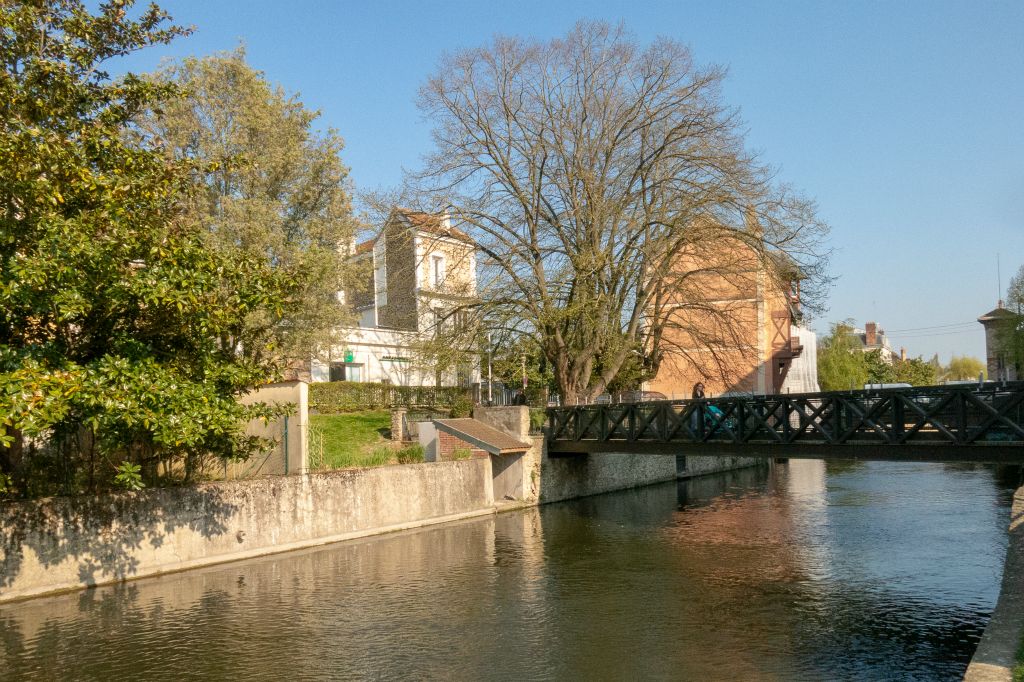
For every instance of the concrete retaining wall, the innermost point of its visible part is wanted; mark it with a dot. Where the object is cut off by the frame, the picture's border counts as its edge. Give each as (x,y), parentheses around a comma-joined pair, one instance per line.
(997,652)
(692,465)
(65,543)
(550,479)
(563,478)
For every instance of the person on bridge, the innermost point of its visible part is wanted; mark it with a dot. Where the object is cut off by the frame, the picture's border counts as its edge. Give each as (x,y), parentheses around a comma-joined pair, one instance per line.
(698,414)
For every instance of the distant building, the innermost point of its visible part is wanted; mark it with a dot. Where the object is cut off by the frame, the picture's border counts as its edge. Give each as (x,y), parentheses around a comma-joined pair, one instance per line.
(1000,367)
(871,338)
(745,336)
(420,271)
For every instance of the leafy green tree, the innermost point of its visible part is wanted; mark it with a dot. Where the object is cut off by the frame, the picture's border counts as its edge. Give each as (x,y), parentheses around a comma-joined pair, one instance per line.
(962,368)
(1015,292)
(841,365)
(916,372)
(879,371)
(1010,335)
(119,327)
(273,186)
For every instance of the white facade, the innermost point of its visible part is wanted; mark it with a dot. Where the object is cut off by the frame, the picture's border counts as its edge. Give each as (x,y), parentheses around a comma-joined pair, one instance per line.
(443,277)
(803,370)
(375,355)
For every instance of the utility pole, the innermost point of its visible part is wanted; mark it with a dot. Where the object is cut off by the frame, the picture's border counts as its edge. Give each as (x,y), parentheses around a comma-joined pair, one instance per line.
(489,397)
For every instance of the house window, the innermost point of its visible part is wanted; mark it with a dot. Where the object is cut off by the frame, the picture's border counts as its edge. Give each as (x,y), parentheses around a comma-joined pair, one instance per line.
(344,371)
(354,372)
(437,270)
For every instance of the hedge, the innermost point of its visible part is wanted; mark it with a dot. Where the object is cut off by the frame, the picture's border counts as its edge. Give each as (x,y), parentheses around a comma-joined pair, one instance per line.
(350,396)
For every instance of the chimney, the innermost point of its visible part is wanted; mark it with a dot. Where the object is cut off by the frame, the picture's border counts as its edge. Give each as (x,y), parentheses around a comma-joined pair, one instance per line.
(751,222)
(870,334)
(903,354)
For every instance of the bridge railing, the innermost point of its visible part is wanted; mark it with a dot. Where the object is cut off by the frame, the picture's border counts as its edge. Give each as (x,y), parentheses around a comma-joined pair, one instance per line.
(991,414)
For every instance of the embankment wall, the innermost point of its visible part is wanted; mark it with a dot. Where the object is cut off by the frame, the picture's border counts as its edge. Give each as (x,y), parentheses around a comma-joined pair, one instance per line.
(58,544)
(997,652)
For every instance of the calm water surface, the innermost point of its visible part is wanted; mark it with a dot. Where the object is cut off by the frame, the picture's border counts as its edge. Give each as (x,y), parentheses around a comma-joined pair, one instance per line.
(850,571)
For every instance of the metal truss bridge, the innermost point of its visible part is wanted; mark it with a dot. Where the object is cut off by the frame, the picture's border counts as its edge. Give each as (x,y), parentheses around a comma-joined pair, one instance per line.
(969,423)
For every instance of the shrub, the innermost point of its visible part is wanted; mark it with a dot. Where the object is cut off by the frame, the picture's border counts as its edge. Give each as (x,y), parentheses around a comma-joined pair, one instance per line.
(462,406)
(462,453)
(378,456)
(411,454)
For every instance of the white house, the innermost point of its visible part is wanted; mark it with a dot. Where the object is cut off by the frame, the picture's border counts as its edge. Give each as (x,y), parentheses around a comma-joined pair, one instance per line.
(423,276)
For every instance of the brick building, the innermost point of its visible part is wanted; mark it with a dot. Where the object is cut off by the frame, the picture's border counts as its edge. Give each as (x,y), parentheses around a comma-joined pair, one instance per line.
(737,326)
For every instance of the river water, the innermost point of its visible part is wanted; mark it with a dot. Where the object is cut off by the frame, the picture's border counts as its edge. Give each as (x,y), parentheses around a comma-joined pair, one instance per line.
(845,571)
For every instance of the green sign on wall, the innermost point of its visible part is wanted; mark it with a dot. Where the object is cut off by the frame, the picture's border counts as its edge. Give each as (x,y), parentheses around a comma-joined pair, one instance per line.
(349,355)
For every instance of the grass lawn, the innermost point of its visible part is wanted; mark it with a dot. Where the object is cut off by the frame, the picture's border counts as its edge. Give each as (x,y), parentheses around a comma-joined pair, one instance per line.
(357,439)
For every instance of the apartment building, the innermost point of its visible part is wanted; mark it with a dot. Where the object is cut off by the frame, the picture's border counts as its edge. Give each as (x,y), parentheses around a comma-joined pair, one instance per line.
(421,272)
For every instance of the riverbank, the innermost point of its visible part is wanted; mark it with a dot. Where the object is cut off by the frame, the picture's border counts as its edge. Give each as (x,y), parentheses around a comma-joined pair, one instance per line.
(809,571)
(62,544)
(996,656)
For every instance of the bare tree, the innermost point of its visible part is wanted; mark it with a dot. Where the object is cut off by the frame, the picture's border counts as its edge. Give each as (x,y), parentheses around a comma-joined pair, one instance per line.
(596,175)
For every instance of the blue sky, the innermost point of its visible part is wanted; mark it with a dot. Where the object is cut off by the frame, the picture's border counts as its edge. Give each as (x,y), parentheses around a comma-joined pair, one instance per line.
(902,119)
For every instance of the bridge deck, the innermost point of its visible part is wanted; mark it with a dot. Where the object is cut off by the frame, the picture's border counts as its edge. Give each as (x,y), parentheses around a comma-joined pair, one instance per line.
(936,423)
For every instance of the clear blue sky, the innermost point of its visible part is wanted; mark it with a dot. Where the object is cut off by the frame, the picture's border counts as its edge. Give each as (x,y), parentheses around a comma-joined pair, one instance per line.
(905,120)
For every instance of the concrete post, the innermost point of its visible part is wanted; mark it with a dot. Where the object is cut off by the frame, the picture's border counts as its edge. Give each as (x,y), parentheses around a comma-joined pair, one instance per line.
(398,424)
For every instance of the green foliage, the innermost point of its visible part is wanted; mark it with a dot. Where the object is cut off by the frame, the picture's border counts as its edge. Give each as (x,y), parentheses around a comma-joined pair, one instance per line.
(119,327)
(271,186)
(461,453)
(1010,335)
(538,419)
(379,456)
(963,368)
(1015,292)
(336,397)
(462,406)
(840,365)
(129,476)
(411,454)
(1018,668)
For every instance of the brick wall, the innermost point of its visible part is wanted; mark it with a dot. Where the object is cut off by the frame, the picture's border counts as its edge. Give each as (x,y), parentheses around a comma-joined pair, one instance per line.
(448,444)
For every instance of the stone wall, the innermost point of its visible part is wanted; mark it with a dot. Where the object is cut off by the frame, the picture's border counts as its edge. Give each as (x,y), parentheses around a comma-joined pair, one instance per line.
(536,477)
(66,543)
(996,655)
(691,465)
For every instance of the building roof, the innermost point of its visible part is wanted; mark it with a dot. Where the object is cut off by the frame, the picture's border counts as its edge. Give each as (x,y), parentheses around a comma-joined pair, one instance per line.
(435,223)
(485,437)
(998,313)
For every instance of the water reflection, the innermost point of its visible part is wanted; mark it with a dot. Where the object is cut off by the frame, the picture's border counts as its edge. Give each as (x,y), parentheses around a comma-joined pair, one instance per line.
(807,571)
